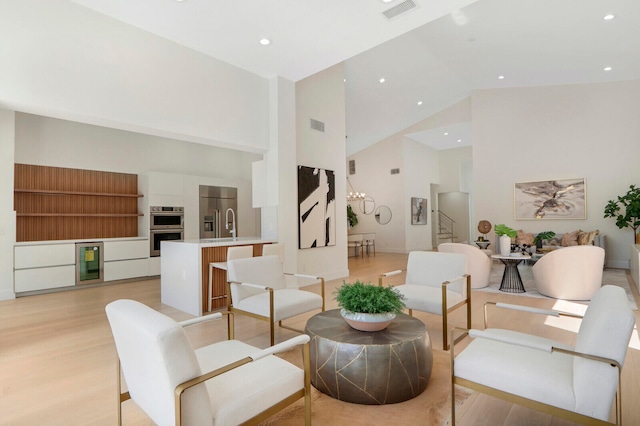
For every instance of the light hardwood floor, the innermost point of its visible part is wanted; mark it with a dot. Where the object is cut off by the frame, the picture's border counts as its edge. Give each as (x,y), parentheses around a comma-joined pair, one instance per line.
(57,358)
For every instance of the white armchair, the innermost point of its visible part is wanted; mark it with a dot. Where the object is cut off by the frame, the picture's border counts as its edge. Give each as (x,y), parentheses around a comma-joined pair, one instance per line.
(579,384)
(435,283)
(257,288)
(572,273)
(478,263)
(226,383)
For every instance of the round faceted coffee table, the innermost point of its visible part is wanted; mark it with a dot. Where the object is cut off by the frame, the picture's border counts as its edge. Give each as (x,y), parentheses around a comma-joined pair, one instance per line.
(380,367)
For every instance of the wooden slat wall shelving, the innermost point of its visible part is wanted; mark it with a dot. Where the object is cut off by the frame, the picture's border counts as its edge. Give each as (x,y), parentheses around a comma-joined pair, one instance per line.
(55,203)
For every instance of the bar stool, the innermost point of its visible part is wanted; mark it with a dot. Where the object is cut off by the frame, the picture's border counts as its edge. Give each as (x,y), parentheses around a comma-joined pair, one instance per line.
(233,252)
(274,249)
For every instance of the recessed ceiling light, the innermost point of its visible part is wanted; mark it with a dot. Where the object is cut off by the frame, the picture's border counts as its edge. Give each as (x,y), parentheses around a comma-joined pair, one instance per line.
(608,17)
(382,80)
(608,68)
(387,1)
(446,133)
(459,140)
(265,41)
(419,102)
(501,77)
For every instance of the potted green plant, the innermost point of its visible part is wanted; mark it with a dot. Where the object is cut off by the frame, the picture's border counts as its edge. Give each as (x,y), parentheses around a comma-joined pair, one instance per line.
(506,234)
(544,235)
(630,218)
(368,307)
(352,217)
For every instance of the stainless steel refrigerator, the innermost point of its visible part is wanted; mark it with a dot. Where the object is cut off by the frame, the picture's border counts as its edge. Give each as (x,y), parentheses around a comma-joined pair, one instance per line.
(214,202)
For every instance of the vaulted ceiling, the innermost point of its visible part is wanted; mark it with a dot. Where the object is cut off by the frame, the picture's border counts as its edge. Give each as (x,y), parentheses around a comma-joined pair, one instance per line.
(430,55)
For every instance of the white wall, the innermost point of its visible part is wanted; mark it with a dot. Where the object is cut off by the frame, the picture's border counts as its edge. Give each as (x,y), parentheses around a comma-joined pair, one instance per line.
(556,132)
(373,177)
(321,97)
(7,214)
(421,164)
(420,167)
(62,60)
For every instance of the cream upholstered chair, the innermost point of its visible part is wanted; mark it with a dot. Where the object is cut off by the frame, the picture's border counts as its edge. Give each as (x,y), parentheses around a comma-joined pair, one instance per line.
(257,288)
(233,252)
(356,241)
(572,273)
(226,383)
(478,263)
(275,248)
(579,384)
(436,283)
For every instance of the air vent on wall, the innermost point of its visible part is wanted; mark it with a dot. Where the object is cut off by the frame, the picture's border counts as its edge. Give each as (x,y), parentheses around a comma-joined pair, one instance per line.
(317,125)
(399,9)
(395,171)
(352,167)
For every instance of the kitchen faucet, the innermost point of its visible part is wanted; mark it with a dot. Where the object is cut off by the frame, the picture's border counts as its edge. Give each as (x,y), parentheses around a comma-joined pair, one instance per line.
(233,218)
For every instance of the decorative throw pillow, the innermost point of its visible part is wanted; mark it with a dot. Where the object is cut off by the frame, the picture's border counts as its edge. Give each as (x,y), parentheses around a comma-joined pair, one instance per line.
(586,238)
(570,238)
(524,238)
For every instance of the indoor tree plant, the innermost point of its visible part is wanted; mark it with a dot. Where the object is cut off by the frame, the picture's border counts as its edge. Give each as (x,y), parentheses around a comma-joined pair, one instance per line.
(352,217)
(506,234)
(630,218)
(368,307)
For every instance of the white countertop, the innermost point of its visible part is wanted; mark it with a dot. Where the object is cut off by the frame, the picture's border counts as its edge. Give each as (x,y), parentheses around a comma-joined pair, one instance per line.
(222,242)
(89,240)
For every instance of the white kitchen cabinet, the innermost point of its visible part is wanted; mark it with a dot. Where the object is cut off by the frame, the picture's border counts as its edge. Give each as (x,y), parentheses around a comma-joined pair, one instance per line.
(44,278)
(126,250)
(38,256)
(125,269)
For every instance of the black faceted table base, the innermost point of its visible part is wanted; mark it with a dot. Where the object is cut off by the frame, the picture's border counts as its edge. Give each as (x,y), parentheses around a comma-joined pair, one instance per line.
(379,367)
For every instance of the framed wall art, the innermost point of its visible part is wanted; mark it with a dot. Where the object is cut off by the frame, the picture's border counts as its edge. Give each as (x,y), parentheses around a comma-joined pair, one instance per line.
(316,207)
(418,211)
(551,199)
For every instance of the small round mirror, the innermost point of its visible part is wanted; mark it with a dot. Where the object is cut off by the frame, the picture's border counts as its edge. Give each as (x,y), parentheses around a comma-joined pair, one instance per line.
(367,205)
(383,215)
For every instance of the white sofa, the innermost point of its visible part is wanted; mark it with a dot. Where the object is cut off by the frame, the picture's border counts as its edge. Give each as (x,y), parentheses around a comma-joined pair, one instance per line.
(478,263)
(572,273)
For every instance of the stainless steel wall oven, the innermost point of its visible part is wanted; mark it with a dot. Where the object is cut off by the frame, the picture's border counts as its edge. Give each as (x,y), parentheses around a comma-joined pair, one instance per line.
(167,224)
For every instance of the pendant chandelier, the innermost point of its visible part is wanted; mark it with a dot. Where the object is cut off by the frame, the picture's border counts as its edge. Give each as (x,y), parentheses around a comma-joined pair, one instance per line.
(353,194)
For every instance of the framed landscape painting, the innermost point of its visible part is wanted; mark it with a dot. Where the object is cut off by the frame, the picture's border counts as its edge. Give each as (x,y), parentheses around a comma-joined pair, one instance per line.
(551,199)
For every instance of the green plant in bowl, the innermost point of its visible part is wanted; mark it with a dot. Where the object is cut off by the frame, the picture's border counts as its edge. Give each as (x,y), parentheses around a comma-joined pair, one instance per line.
(369,298)
(368,307)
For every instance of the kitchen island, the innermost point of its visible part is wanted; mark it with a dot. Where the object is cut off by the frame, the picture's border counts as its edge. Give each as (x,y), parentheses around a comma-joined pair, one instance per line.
(184,271)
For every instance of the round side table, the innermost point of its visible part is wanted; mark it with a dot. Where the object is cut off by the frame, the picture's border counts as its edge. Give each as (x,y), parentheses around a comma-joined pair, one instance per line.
(381,367)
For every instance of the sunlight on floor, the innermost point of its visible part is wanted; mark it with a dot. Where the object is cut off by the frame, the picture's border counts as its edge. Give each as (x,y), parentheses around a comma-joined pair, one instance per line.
(634,343)
(564,323)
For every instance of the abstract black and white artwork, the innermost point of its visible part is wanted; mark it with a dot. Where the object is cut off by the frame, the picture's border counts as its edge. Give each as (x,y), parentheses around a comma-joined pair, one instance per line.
(316,207)
(418,211)
(551,199)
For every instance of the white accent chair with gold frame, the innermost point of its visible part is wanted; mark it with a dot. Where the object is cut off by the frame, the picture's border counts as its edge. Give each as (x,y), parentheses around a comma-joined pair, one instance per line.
(579,384)
(225,383)
(436,283)
(257,288)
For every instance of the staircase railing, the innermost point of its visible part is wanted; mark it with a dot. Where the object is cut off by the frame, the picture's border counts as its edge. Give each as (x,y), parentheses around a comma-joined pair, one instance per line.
(445,226)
